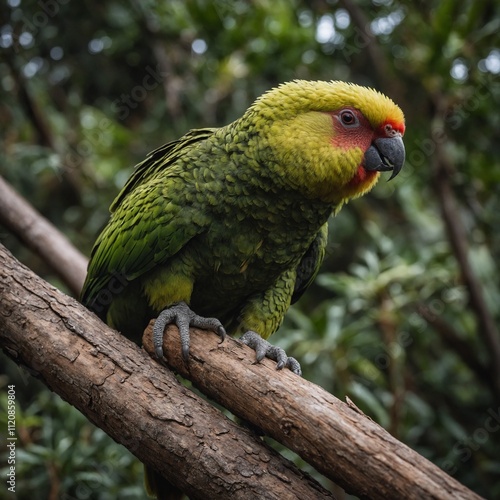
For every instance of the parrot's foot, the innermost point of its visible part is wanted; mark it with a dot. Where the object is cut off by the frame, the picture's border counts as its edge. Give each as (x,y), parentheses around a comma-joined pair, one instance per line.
(263,349)
(181,315)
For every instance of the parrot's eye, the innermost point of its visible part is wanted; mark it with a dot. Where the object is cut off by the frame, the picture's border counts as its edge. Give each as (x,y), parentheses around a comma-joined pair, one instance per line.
(348,118)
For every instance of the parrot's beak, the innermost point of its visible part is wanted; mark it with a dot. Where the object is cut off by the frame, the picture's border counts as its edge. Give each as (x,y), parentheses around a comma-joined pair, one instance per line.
(385,154)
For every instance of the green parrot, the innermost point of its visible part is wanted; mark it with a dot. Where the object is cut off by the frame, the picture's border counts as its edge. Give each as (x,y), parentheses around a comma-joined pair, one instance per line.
(225,228)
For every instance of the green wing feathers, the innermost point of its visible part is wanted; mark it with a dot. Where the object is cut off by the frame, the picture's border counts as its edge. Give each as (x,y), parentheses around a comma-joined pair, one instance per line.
(159,160)
(149,223)
(311,262)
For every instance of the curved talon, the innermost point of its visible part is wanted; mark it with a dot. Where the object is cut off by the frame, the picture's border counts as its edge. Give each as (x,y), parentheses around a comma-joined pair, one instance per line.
(264,349)
(163,319)
(293,365)
(183,317)
(221,332)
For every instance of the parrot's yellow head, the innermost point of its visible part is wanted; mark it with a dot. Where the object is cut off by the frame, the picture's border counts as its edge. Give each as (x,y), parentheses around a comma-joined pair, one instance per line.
(330,140)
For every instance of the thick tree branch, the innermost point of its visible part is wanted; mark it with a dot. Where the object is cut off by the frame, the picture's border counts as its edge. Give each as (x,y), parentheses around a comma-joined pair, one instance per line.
(135,400)
(42,237)
(141,405)
(340,442)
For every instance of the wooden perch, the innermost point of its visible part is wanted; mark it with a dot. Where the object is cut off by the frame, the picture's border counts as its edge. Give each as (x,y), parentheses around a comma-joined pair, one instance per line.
(135,400)
(141,405)
(335,438)
(42,237)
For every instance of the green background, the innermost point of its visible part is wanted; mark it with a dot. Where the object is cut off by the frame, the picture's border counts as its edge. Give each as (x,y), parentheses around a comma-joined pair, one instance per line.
(89,88)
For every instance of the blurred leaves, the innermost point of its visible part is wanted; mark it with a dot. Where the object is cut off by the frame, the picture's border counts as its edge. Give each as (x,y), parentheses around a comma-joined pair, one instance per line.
(89,88)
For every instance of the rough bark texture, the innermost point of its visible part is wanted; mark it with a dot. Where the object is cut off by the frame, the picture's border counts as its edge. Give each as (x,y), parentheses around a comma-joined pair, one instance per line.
(334,437)
(135,400)
(141,405)
(42,237)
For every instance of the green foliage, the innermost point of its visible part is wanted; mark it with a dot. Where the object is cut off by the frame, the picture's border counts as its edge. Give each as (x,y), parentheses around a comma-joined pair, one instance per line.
(89,88)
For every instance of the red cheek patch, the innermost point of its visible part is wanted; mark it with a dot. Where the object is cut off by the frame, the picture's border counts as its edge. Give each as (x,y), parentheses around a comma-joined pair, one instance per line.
(361,176)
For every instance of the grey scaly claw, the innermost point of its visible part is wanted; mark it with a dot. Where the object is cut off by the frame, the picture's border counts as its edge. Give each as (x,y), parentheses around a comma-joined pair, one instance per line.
(264,349)
(183,317)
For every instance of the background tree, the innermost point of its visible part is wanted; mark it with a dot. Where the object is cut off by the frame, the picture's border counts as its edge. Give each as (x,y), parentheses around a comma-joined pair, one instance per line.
(404,317)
